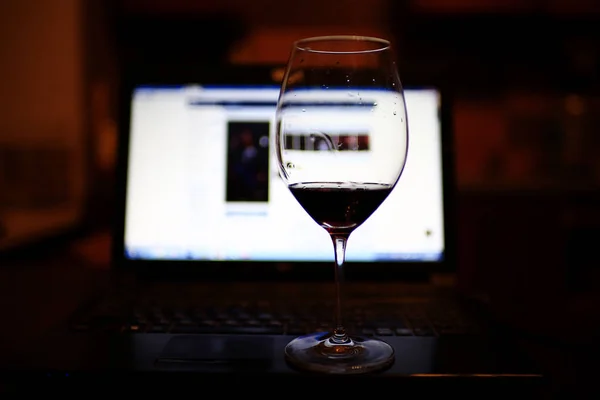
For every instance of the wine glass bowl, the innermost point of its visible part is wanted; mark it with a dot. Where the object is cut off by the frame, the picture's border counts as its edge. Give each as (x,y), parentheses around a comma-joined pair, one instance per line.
(341,143)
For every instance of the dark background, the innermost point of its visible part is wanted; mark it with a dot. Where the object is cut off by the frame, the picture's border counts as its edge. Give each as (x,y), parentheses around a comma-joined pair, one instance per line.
(525,90)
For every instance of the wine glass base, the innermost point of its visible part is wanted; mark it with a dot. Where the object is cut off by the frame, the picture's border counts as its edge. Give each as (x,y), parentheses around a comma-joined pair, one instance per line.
(317,353)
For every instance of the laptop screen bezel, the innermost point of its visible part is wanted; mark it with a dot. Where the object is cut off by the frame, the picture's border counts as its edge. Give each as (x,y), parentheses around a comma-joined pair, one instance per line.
(133,77)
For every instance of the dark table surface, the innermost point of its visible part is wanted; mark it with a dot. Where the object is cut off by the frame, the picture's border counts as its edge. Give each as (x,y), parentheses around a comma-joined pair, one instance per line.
(43,288)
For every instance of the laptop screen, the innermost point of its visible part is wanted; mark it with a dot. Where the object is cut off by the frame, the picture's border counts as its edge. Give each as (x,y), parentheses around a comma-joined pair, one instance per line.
(203,183)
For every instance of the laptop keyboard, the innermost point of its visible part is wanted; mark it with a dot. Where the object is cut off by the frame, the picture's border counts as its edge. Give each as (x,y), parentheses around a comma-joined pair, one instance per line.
(263,317)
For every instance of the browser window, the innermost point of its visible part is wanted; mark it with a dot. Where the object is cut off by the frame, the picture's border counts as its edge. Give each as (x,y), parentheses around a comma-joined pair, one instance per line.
(203,181)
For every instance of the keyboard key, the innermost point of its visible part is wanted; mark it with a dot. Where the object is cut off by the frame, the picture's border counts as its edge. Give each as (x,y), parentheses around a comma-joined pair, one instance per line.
(384,332)
(404,332)
(265,316)
(221,316)
(159,328)
(243,316)
(424,331)
(134,328)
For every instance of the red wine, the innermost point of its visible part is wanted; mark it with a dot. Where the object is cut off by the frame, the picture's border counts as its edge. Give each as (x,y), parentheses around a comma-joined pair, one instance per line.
(340,207)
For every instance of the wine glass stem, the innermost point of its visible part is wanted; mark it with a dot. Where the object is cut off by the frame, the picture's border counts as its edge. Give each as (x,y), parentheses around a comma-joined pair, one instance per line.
(339,246)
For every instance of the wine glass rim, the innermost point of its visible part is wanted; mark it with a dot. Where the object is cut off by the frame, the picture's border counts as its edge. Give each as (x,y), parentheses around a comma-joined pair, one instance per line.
(302,44)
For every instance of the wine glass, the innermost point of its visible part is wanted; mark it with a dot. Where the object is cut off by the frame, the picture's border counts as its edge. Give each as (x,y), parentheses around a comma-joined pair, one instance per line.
(342,142)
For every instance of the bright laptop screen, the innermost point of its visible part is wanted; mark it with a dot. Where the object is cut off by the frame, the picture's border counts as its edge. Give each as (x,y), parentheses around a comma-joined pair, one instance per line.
(203,183)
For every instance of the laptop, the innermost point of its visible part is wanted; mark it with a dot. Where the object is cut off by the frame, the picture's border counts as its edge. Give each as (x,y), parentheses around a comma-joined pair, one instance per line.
(216,271)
